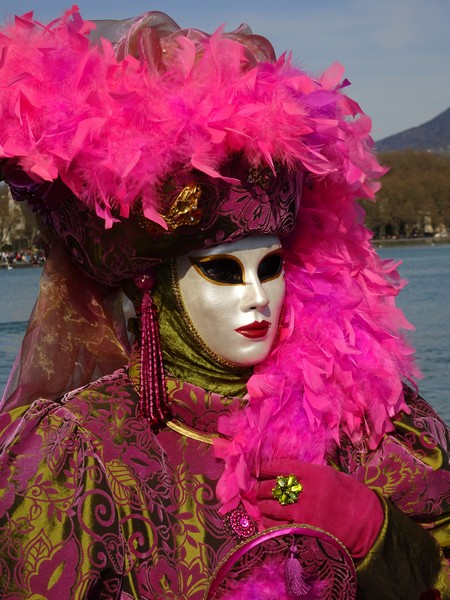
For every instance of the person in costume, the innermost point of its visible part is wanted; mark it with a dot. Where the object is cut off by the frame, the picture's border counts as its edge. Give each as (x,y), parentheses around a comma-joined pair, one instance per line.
(247,424)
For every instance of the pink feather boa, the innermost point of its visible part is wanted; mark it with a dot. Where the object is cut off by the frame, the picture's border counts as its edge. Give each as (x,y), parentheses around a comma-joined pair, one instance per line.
(341,358)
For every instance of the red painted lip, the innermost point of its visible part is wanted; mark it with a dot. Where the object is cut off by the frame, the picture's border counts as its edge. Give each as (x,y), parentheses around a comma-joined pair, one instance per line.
(257,329)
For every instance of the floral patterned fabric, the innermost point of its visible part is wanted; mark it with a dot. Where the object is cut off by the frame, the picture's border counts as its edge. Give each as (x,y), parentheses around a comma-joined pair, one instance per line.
(93,504)
(411,468)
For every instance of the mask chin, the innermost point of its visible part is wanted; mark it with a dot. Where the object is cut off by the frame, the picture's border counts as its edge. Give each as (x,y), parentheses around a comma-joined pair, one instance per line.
(233,296)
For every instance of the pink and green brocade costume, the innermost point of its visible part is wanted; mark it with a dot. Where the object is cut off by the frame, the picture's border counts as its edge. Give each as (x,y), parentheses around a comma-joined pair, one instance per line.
(94,504)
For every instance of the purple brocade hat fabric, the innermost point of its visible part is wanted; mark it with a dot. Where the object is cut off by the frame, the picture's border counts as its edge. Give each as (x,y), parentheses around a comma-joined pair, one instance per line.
(207,212)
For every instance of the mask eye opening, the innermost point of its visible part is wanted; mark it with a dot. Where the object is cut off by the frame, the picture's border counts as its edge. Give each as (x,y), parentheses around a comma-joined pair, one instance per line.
(221,270)
(271,266)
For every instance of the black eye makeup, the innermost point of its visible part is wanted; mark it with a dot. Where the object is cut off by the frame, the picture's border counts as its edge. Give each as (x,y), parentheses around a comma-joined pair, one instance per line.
(228,270)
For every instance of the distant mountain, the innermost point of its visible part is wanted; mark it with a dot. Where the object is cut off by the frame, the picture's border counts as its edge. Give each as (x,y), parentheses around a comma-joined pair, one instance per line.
(433,136)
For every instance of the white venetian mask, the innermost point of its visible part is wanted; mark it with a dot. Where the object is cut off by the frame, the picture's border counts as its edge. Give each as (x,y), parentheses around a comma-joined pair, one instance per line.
(233,294)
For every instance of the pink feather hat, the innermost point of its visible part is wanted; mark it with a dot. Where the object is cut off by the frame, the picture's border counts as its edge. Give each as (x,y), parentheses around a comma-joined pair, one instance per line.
(125,127)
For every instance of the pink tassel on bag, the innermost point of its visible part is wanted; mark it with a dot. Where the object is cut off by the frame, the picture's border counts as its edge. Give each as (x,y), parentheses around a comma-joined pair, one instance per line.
(294,577)
(153,403)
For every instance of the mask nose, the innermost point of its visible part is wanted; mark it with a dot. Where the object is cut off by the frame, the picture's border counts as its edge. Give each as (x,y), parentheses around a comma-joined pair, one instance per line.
(254,296)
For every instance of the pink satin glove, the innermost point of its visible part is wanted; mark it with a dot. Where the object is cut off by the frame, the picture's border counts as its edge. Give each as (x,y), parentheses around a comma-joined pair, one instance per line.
(330,500)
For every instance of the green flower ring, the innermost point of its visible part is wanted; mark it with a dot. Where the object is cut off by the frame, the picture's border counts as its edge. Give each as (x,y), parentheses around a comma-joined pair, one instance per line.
(287,489)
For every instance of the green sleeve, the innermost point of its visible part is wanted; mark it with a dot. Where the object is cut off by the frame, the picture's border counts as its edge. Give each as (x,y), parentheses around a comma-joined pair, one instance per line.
(404,563)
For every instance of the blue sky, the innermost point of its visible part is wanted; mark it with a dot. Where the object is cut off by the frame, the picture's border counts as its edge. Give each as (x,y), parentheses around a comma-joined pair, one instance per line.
(396,52)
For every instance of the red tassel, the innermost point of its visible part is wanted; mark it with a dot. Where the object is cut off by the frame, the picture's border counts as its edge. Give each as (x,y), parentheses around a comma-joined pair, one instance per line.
(153,402)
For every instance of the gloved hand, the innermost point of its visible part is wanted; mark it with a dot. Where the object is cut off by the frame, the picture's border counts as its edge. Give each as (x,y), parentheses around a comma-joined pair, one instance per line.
(330,500)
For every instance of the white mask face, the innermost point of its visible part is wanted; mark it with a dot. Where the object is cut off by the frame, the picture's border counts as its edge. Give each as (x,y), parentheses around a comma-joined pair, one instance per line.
(233,294)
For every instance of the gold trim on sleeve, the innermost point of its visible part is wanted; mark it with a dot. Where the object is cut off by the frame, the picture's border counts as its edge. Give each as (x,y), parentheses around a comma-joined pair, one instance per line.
(191,433)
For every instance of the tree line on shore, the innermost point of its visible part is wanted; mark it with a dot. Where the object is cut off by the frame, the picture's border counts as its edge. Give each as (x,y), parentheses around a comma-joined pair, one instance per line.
(414,200)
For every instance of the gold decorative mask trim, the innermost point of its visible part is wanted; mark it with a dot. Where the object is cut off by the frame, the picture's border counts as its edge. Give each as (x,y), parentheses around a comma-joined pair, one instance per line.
(194,333)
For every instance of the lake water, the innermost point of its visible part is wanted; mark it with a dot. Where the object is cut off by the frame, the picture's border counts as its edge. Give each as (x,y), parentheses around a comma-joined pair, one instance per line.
(425,301)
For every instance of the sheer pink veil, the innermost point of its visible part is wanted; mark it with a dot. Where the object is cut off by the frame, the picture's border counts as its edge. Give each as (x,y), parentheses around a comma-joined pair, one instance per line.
(76,333)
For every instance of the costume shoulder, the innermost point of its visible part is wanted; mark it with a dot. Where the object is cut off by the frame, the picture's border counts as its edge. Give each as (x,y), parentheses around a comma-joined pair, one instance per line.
(54,495)
(410,471)
(411,466)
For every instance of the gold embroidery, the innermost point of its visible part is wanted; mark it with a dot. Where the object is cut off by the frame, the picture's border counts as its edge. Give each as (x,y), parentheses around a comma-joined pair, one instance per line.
(184,210)
(263,175)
